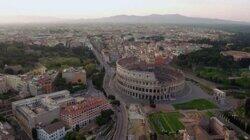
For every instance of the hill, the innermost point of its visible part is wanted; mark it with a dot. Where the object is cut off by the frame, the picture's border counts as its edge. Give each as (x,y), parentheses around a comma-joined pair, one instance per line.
(167,19)
(132,19)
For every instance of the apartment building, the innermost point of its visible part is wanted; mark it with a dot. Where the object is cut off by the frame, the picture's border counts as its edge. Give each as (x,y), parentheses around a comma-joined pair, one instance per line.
(42,109)
(3,84)
(54,131)
(215,130)
(15,82)
(6,131)
(83,110)
(41,85)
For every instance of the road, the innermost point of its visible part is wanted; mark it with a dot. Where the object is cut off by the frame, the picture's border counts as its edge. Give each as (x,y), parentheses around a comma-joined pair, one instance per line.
(121,113)
(210,84)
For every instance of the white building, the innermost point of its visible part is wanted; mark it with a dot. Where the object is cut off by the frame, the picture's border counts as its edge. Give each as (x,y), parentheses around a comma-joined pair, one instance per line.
(34,89)
(16,83)
(219,96)
(41,109)
(6,131)
(3,84)
(54,131)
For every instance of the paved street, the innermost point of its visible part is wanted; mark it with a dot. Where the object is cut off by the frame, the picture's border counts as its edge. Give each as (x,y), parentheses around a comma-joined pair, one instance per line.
(200,80)
(122,119)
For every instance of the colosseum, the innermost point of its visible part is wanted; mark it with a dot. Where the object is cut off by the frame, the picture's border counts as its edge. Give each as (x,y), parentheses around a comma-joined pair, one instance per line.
(145,81)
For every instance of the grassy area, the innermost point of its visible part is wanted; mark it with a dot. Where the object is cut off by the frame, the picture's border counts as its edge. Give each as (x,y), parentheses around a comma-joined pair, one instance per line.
(239,95)
(166,123)
(199,104)
(60,62)
(73,89)
(243,72)
(212,73)
(240,112)
(209,114)
(5,96)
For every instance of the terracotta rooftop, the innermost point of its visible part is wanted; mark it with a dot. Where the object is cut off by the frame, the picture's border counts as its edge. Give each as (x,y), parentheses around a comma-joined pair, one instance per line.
(53,127)
(83,106)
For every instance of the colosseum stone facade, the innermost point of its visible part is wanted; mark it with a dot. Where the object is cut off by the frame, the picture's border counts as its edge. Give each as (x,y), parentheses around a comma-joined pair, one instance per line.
(144,81)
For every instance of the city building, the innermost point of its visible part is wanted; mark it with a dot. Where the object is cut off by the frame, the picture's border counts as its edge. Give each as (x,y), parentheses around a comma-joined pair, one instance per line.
(5,107)
(14,82)
(219,128)
(54,131)
(3,84)
(148,81)
(237,55)
(42,109)
(83,110)
(138,125)
(213,131)
(39,70)
(34,88)
(42,84)
(18,84)
(219,96)
(6,131)
(28,84)
(74,75)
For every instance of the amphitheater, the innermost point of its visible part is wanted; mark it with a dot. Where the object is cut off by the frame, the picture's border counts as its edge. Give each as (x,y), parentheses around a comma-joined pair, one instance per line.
(145,81)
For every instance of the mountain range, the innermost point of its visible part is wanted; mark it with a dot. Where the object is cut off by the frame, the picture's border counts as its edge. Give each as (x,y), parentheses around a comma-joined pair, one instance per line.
(154,18)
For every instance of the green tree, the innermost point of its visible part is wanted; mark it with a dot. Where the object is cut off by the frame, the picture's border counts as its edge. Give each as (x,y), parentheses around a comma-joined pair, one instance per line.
(70,136)
(60,83)
(34,133)
(90,69)
(2,118)
(243,82)
(80,136)
(97,80)
(116,102)
(104,117)
(74,136)
(111,97)
(247,107)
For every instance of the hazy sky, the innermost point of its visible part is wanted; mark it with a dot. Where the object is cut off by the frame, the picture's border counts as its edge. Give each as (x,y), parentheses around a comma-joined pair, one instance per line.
(223,9)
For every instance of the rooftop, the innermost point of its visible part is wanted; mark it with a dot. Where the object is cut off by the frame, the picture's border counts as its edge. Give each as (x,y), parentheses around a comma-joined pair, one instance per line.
(236,54)
(51,128)
(72,69)
(42,103)
(83,105)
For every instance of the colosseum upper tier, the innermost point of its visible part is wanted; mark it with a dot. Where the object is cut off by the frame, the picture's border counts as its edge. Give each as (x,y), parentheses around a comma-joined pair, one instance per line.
(141,80)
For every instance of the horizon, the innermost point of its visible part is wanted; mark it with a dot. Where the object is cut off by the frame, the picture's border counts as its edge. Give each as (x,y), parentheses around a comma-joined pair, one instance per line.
(26,19)
(82,9)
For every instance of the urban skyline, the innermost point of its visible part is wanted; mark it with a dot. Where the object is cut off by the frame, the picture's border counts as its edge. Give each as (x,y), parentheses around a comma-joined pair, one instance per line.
(124,70)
